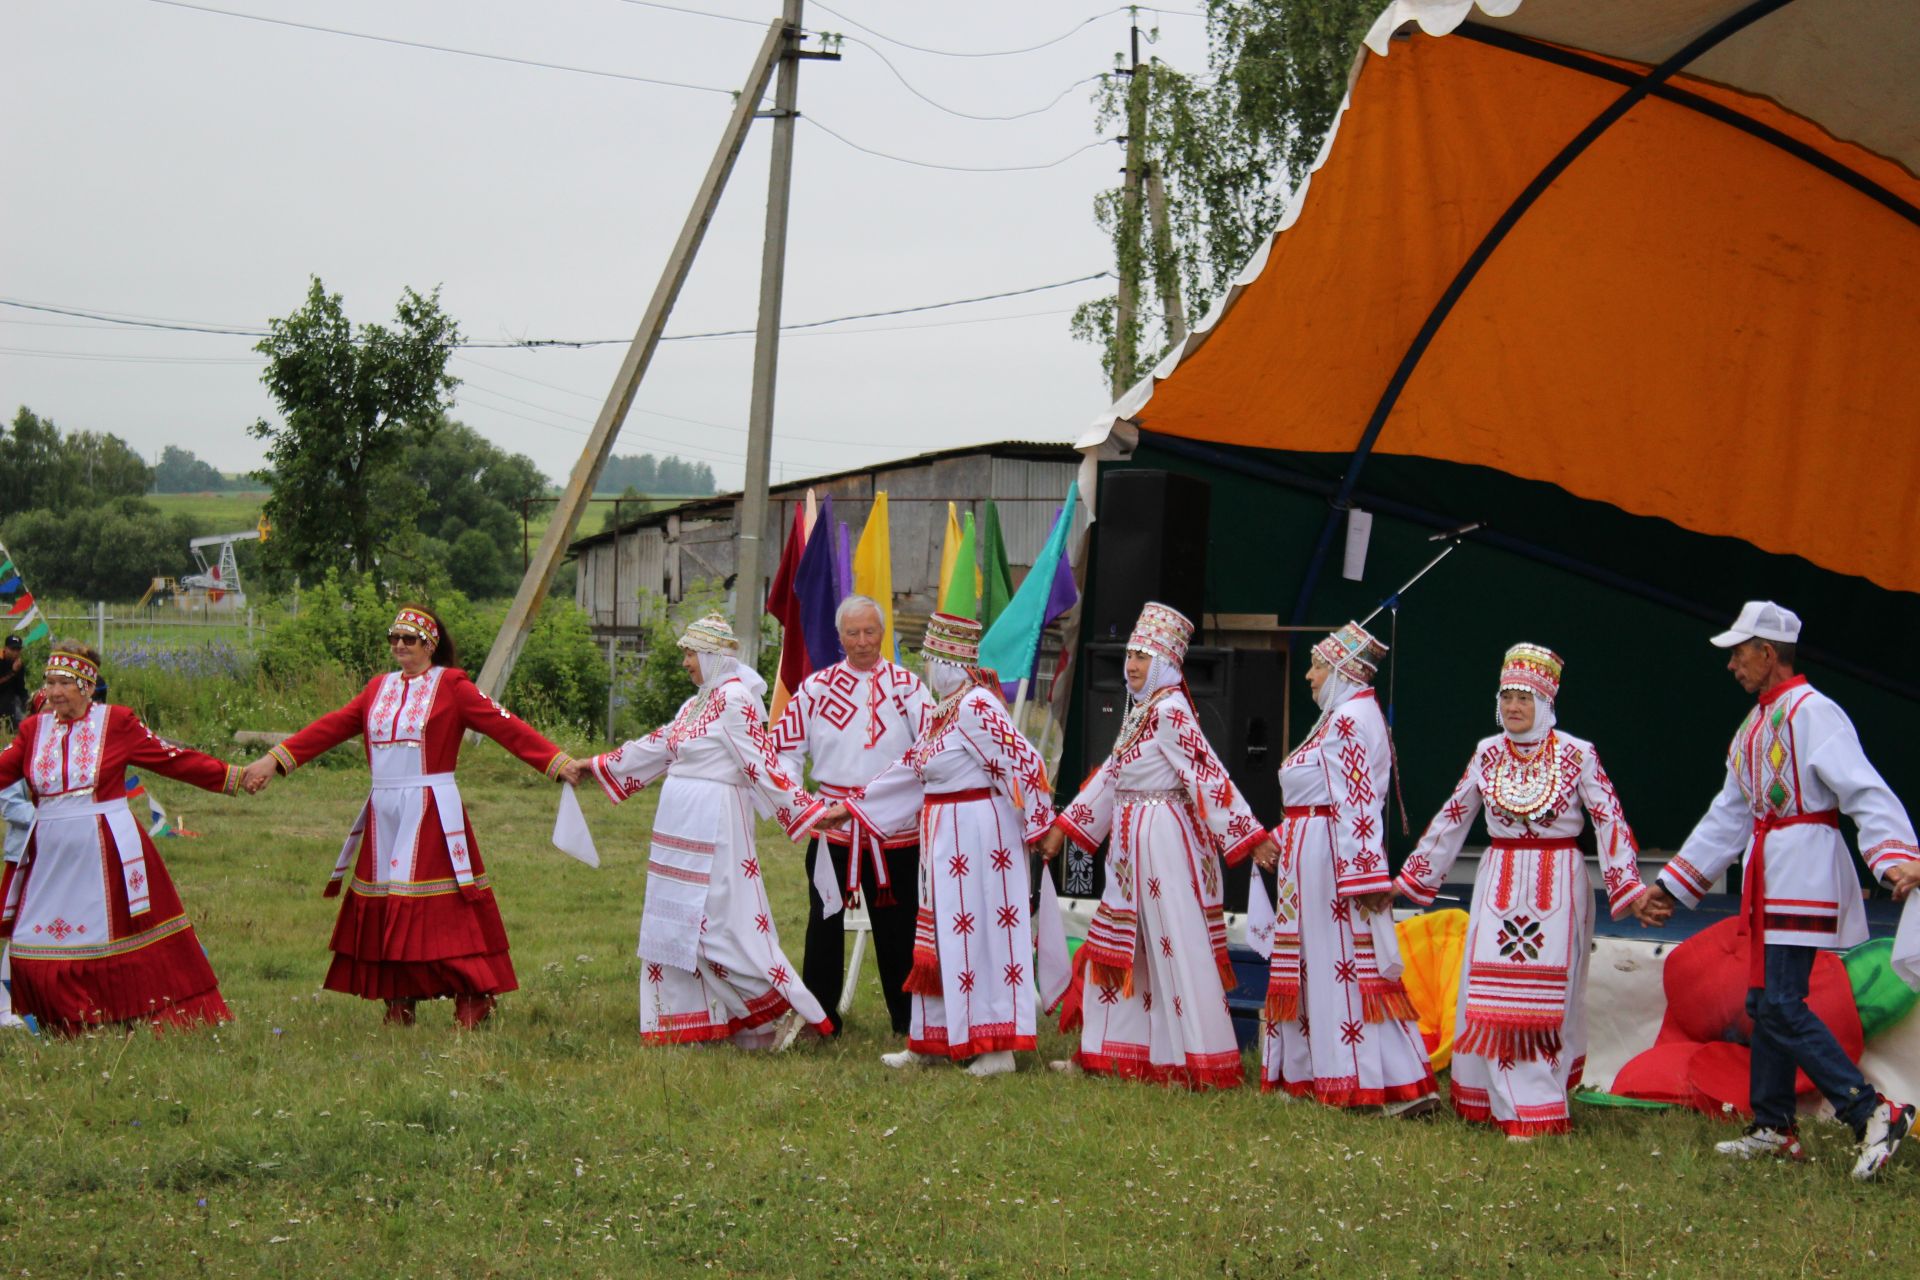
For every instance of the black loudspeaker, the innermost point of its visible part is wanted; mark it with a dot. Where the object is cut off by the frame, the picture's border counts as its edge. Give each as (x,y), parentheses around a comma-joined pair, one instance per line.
(1236,693)
(1152,545)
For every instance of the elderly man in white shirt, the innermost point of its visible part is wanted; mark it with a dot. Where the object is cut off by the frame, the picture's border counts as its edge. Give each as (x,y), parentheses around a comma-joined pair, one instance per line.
(854,719)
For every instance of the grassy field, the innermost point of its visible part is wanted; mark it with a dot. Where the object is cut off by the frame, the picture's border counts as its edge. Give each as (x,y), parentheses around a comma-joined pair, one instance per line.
(306,1139)
(228,512)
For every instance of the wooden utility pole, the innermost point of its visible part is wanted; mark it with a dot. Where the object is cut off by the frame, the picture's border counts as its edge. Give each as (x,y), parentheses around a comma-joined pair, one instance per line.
(1126,310)
(1166,270)
(593,456)
(750,517)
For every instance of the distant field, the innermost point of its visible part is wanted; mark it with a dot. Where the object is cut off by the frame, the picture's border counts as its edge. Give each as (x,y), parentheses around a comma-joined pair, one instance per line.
(214,512)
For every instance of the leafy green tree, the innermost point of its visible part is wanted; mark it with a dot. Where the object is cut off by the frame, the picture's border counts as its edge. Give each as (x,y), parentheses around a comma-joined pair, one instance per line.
(181,471)
(351,401)
(41,467)
(1229,148)
(472,527)
(108,551)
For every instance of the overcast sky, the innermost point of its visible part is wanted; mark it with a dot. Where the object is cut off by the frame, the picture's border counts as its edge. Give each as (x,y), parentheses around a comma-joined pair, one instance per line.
(163,161)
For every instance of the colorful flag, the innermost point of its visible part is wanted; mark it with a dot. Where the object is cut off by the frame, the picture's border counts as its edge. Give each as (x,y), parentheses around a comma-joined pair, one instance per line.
(137,794)
(873,567)
(1012,647)
(962,596)
(814,587)
(949,555)
(843,564)
(997,589)
(21,611)
(784,605)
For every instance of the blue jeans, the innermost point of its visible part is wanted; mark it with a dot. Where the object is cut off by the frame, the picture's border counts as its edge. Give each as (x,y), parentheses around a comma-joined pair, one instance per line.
(1787,1034)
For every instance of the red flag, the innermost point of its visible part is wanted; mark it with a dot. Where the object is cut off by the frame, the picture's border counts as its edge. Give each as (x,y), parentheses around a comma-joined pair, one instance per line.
(784,604)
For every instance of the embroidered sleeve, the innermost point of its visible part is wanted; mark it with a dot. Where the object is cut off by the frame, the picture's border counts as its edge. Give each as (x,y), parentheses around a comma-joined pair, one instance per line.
(1716,841)
(1427,866)
(1088,818)
(1359,770)
(480,712)
(790,735)
(13,760)
(633,766)
(1009,759)
(777,793)
(1221,809)
(891,802)
(1885,831)
(324,734)
(1619,851)
(170,760)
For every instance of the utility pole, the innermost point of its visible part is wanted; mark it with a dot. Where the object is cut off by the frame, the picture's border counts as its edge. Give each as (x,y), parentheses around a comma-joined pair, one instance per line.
(593,455)
(750,525)
(1126,324)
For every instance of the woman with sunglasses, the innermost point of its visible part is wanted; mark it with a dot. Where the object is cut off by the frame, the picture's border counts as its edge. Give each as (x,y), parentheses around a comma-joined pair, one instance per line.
(418,921)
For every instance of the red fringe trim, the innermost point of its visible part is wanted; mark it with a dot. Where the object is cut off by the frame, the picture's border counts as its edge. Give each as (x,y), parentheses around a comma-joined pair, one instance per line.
(1190,1075)
(1283,1001)
(1102,974)
(1072,1003)
(1504,1039)
(1385,1000)
(924,978)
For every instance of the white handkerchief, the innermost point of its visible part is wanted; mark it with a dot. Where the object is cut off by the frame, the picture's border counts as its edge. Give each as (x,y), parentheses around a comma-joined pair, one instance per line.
(570,834)
(824,881)
(1906,943)
(1260,917)
(1055,969)
(1386,944)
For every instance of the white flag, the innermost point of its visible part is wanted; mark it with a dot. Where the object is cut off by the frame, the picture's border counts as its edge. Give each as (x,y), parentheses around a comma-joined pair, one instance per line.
(825,883)
(1260,917)
(570,834)
(1055,969)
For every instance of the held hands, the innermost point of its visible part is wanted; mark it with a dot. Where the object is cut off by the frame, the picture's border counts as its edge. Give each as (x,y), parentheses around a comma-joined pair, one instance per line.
(1049,845)
(1266,854)
(255,777)
(1904,879)
(1653,908)
(574,771)
(1374,903)
(833,819)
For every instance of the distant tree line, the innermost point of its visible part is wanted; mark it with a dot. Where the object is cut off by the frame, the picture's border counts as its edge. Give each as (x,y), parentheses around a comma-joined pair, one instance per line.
(646,474)
(180,471)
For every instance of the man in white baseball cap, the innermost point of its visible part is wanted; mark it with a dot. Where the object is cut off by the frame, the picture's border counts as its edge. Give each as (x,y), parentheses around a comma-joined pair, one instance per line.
(1794,766)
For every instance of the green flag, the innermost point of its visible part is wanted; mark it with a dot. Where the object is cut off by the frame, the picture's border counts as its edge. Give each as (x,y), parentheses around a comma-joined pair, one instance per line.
(997,590)
(962,598)
(36,632)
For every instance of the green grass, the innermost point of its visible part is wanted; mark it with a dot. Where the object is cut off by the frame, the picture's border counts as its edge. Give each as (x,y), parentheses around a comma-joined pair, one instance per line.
(229,512)
(306,1139)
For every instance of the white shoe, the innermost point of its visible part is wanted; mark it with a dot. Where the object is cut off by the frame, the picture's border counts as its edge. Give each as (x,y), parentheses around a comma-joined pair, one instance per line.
(1889,1123)
(8,1018)
(786,1031)
(1764,1140)
(906,1058)
(1066,1067)
(992,1064)
(1412,1108)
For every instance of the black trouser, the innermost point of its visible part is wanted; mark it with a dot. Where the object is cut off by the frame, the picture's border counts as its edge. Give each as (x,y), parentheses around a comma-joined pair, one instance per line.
(824,967)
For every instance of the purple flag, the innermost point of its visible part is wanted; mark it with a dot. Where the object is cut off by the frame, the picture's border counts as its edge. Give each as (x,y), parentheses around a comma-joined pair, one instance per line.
(814,584)
(843,565)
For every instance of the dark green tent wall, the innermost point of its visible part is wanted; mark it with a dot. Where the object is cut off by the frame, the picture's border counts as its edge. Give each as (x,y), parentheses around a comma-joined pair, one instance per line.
(1628,601)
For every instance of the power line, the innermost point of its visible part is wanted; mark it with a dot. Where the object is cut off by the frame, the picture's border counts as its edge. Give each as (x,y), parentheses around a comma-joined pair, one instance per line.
(440,48)
(952,168)
(698,13)
(1057,99)
(113,358)
(133,320)
(1004,53)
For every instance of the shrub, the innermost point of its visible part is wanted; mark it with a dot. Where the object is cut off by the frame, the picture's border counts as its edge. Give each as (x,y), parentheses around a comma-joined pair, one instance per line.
(653,685)
(561,675)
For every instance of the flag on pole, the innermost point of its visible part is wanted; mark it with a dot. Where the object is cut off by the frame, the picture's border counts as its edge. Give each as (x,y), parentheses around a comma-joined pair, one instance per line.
(20,612)
(842,564)
(137,794)
(873,567)
(784,605)
(1012,647)
(814,587)
(996,591)
(962,596)
(949,555)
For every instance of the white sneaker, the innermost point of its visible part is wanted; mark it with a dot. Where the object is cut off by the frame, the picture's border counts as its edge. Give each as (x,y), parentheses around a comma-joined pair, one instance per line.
(1889,1123)
(786,1031)
(992,1064)
(1763,1140)
(902,1058)
(1066,1067)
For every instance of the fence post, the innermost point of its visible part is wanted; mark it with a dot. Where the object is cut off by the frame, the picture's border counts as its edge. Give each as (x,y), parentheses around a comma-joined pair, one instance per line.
(613,679)
(249,626)
(100,626)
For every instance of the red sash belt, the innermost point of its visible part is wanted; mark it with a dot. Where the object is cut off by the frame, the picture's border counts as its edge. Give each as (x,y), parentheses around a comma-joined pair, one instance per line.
(1298,811)
(1535,842)
(959,797)
(1753,888)
(862,840)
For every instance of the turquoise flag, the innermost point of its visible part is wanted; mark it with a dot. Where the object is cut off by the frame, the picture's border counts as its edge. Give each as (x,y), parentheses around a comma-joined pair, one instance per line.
(1013,645)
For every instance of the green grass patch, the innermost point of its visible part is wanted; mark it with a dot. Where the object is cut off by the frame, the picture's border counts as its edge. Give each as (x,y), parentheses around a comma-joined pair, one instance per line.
(307,1139)
(228,512)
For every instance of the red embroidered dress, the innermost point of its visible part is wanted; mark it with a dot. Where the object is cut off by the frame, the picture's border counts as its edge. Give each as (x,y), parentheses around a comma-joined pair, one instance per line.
(711,967)
(1521,1030)
(1153,973)
(419,918)
(981,794)
(98,932)
(1338,1029)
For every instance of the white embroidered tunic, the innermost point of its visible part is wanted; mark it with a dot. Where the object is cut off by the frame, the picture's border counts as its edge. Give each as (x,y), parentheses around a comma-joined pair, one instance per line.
(1794,766)
(711,963)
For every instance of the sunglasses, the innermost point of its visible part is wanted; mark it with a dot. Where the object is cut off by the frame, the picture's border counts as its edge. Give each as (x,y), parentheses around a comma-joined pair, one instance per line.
(403,638)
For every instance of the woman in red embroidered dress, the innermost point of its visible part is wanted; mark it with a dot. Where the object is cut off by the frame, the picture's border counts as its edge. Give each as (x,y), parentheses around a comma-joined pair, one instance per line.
(419,920)
(98,932)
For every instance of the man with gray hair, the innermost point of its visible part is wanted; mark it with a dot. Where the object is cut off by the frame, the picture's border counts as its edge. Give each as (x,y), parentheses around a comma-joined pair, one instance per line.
(854,719)
(1795,765)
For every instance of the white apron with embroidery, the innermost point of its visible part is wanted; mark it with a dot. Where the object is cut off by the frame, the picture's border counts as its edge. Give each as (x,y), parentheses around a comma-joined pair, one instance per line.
(396,727)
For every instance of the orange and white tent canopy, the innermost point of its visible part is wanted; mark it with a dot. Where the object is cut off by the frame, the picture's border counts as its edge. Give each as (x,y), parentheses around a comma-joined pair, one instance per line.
(1664,254)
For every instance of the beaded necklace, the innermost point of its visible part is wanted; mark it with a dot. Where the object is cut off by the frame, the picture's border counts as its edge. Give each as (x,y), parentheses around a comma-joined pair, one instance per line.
(1526,785)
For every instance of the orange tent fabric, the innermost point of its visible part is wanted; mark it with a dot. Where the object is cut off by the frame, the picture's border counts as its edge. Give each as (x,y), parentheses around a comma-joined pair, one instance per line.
(1691,322)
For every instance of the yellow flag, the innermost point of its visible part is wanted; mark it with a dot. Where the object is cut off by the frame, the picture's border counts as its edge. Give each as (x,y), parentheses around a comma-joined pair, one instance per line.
(873,568)
(949,555)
